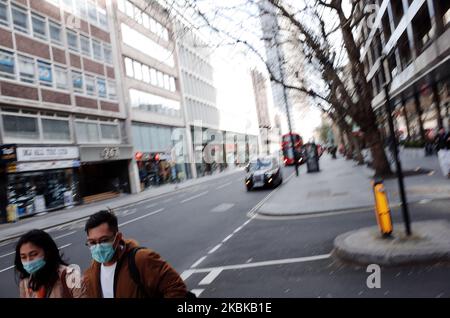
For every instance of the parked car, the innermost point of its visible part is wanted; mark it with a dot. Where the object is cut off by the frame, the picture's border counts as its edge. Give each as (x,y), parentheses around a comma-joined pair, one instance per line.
(263,172)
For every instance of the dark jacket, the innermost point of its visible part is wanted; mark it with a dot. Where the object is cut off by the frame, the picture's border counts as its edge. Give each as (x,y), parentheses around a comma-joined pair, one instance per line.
(157,276)
(442,141)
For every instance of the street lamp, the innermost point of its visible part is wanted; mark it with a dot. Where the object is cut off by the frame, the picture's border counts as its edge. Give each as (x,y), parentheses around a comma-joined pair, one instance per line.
(399,171)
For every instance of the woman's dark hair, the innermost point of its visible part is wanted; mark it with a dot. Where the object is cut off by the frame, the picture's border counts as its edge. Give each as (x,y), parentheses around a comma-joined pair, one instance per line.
(48,275)
(104,216)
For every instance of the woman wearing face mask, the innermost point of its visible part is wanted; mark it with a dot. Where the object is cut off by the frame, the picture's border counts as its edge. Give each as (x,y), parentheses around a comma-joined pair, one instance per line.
(41,270)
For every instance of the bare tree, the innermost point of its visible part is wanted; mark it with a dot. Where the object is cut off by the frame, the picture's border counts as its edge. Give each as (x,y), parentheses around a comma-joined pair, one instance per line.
(325,36)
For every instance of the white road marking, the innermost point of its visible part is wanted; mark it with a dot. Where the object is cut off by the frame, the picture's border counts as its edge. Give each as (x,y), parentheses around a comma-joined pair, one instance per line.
(227,238)
(425,201)
(8,254)
(198,262)
(197,292)
(215,248)
(141,217)
(431,173)
(224,185)
(261,264)
(8,268)
(194,197)
(129,212)
(64,246)
(186,274)
(64,235)
(237,230)
(222,207)
(210,277)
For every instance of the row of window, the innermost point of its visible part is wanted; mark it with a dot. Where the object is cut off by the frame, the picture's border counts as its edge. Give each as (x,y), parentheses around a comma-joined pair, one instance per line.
(198,88)
(44,29)
(195,64)
(42,127)
(35,71)
(143,18)
(100,51)
(149,75)
(152,103)
(144,44)
(88,10)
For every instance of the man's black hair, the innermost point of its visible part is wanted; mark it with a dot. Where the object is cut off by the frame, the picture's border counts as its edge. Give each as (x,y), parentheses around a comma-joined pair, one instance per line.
(104,216)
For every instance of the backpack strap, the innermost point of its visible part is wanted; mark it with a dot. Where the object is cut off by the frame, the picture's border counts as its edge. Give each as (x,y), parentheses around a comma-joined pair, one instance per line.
(134,271)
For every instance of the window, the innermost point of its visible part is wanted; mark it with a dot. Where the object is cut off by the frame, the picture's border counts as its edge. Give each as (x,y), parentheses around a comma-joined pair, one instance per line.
(129,9)
(146,21)
(137,70)
(72,40)
(55,130)
(61,77)
(153,103)
(92,12)
(138,15)
(173,87)
(101,87)
(20,19)
(87,132)
(7,64)
(121,5)
(20,127)
(112,91)
(85,44)
(129,67)
(26,69)
(153,77)
(4,19)
(97,49)
(110,132)
(146,73)
(55,33)
(166,82)
(39,27)
(107,53)
(80,8)
(160,79)
(45,73)
(77,82)
(90,85)
(102,18)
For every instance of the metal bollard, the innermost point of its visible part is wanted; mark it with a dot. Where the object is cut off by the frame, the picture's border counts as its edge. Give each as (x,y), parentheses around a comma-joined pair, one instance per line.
(382,210)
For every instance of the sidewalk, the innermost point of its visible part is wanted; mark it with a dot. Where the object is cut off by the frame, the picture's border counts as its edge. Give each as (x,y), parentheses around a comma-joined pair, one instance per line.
(343,185)
(57,218)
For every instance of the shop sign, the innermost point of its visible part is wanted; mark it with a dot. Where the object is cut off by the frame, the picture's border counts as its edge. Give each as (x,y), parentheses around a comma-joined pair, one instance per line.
(50,165)
(46,153)
(8,153)
(93,154)
(110,153)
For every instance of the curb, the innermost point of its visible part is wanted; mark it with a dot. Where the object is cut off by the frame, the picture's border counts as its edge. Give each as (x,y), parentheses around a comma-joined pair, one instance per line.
(12,237)
(343,252)
(362,208)
(269,214)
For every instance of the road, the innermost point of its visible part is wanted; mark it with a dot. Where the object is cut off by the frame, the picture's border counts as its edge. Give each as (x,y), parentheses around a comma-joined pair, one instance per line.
(211,235)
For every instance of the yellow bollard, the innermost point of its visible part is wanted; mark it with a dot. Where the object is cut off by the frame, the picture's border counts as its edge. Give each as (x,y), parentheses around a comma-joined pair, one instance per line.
(382,210)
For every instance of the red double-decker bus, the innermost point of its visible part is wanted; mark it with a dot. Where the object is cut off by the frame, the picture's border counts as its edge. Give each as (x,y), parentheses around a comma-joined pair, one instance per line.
(288,150)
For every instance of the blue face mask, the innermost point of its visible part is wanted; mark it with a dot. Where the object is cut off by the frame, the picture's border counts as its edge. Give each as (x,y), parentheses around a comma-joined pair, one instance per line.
(103,252)
(33,266)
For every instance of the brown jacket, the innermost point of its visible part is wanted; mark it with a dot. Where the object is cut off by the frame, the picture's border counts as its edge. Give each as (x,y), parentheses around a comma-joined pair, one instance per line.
(60,289)
(157,276)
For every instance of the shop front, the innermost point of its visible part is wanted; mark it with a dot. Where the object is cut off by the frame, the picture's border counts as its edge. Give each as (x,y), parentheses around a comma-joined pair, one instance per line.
(104,171)
(38,179)
(160,168)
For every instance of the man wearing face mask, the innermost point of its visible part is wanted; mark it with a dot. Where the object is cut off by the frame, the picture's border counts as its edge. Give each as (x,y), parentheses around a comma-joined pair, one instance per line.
(120,269)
